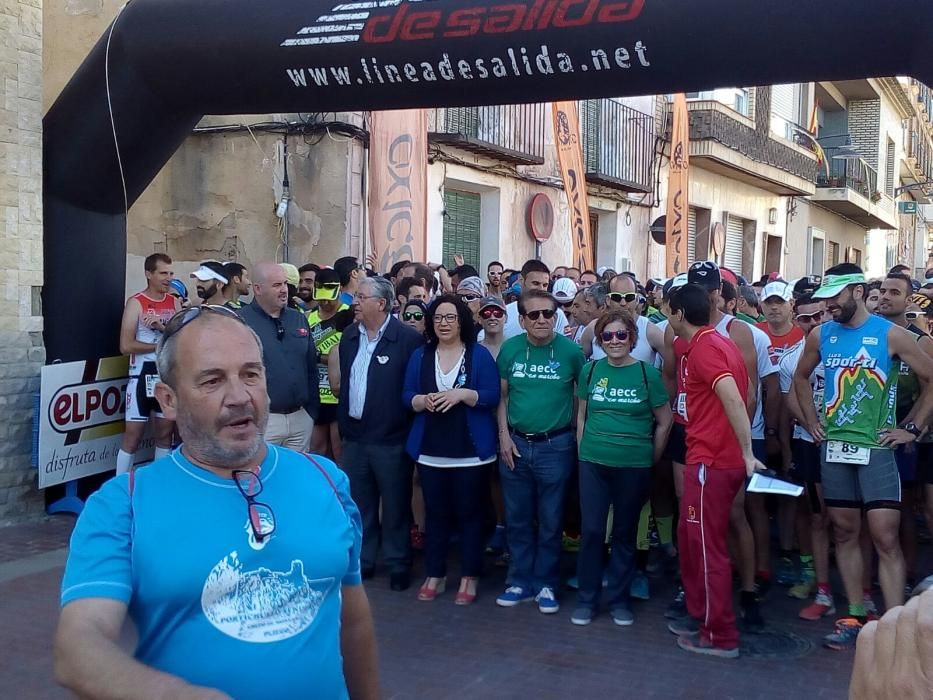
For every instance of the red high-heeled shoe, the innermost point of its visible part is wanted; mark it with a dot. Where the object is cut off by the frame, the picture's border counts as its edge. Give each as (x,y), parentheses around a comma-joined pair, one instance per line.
(463,597)
(427,593)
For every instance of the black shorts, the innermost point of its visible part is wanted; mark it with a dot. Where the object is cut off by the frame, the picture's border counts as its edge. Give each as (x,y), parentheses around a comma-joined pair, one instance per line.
(676,449)
(805,468)
(326,414)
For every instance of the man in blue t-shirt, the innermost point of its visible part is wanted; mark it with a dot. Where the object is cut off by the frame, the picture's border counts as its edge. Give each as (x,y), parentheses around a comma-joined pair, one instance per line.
(238,561)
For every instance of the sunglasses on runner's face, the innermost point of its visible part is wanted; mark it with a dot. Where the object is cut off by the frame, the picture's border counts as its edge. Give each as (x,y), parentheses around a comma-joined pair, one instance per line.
(467,298)
(535,315)
(491,312)
(627,297)
(412,315)
(913,315)
(607,336)
(810,318)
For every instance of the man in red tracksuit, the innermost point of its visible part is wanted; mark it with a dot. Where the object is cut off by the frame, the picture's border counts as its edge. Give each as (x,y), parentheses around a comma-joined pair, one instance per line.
(719,457)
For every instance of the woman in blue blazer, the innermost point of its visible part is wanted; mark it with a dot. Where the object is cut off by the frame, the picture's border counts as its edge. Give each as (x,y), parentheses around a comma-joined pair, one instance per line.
(452,384)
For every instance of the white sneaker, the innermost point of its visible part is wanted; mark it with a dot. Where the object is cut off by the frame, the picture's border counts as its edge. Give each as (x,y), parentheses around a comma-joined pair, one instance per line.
(546,601)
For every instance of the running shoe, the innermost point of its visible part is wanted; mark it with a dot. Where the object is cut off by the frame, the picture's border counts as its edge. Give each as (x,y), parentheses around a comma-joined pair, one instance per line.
(678,607)
(622,616)
(582,616)
(639,588)
(684,626)
(871,610)
(802,590)
(697,645)
(546,601)
(513,596)
(821,606)
(752,621)
(787,572)
(844,636)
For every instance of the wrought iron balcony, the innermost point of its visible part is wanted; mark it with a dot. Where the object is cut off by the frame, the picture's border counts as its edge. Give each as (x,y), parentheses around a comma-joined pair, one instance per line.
(618,145)
(853,173)
(511,133)
(726,141)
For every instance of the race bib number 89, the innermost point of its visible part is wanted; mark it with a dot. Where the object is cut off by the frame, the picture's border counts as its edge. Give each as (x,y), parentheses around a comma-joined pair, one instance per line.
(839,452)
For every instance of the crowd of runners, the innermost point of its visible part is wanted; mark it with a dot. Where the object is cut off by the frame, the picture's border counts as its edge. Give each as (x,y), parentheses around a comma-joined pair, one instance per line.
(536,412)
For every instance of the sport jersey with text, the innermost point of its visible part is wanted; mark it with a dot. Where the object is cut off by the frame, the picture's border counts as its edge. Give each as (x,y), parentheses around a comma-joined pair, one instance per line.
(212,605)
(861,381)
(788,366)
(767,365)
(326,337)
(709,359)
(908,383)
(619,428)
(540,382)
(163,309)
(642,350)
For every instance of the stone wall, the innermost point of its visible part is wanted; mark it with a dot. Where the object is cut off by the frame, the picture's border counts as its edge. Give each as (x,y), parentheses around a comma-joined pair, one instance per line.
(21,351)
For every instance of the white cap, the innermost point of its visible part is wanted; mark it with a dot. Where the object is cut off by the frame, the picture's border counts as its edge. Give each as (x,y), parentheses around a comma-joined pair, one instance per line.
(206,274)
(679,280)
(564,289)
(778,288)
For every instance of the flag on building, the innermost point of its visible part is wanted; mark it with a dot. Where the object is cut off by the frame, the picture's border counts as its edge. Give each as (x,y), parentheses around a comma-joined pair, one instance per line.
(398,186)
(678,190)
(570,159)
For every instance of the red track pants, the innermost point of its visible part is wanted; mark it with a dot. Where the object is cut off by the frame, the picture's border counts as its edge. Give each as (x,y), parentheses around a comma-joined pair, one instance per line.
(704,553)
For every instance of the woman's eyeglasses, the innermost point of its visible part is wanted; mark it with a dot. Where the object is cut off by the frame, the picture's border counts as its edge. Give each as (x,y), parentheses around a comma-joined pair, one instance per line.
(627,297)
(412,315)
(535,315)
(261,517)
(491,312)
(445,318)
(607,336)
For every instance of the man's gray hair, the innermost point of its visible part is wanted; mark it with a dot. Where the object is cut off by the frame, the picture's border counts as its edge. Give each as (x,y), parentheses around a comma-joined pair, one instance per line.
(382,289)
(168,346)
(749,295)
(598,293)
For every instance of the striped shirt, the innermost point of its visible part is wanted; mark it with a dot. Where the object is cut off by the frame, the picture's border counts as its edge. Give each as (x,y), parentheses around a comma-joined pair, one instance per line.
(359,371)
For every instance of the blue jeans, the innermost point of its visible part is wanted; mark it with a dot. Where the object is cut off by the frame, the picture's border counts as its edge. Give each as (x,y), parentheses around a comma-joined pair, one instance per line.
(534,494)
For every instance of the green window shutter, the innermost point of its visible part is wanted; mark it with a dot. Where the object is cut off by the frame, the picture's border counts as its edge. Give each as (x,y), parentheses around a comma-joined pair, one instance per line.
(461,227)
(590,117)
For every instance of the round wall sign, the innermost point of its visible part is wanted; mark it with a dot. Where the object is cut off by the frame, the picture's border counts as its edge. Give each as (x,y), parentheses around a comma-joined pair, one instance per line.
(540,217)
(719,238)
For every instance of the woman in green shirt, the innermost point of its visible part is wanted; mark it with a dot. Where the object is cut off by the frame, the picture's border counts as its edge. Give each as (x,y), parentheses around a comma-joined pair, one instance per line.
(623,419)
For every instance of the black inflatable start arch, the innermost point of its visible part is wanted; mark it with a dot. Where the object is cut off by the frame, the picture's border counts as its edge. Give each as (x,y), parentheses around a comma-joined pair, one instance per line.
(169,62)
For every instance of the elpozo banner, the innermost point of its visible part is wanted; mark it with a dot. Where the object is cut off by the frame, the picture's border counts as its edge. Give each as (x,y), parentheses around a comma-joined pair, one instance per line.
(81,411)
(398,186)
(570,158)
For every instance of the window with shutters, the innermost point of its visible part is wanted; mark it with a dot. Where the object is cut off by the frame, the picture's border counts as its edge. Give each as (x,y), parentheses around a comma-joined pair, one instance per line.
(735,236)
(461,227)
(889,169)
(691,235)
(590,119)
(833,254)
(817,251)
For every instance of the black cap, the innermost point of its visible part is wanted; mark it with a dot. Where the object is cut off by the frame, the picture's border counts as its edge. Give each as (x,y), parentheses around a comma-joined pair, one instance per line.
(705,274)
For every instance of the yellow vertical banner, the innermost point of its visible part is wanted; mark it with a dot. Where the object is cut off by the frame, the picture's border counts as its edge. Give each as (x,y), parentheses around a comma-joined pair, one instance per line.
(678,189)
(570,159)
(398,186)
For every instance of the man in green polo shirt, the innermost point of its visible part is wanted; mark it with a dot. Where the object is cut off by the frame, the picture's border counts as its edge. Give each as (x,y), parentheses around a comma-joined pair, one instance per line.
(539,369)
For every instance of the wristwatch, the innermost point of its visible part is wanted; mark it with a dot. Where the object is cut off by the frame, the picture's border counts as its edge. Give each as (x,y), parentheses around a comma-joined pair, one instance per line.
(912,429)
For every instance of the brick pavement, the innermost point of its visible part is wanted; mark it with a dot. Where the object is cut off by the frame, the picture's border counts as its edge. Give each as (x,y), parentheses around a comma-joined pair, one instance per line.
(439,650)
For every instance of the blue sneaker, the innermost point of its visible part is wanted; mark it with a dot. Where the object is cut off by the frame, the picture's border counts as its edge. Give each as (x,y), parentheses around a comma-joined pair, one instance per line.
(546,601)
(787,572)
(639,587)
(513,596)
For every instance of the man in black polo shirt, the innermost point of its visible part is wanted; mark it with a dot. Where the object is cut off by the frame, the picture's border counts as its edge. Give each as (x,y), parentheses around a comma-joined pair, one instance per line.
(290,358)
(373,356)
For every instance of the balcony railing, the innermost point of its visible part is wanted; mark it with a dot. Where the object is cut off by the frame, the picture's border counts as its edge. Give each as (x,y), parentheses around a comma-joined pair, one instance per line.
(924,97)
(512,133)
(712,121)
(917,148)
(853,173)
(618,145)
